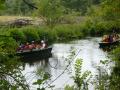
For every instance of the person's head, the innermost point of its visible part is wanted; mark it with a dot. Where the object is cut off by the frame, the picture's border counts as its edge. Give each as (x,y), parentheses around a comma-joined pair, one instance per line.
(27,43)
(42,41)
(33,41)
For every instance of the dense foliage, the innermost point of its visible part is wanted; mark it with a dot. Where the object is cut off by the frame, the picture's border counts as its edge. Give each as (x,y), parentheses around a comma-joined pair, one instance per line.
(109,79)
(23,8)
(15,7)
(115,76)
(10,70)
(106,16)
(50,10)
(33,33)
(77,5)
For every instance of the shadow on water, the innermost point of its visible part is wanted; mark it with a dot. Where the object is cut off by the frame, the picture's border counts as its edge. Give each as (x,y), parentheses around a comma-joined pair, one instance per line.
(32,61)
(109,48)
(33,67)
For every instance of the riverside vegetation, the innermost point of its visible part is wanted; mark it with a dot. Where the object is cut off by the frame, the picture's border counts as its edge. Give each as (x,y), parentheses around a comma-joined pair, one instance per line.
(102,17)
(63,32)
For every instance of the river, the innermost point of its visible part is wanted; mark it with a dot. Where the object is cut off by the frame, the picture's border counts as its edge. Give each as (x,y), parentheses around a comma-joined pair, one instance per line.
(86,49)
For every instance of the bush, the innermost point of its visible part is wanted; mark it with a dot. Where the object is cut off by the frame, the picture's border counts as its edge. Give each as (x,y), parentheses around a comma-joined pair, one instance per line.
(100,28)
(47,34)
(68,32)
(30,33)
(63,32)
(17,34)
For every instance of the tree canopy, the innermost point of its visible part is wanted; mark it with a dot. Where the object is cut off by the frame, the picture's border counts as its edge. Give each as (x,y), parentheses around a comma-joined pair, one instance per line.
(50,11)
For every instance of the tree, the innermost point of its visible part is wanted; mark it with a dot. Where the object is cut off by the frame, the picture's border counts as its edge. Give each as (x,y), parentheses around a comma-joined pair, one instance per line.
(10,70)
(2,6)
(16,7)
(50,11)
(111,9)
(77,5)
(108,10)
(2,3)
(96,1)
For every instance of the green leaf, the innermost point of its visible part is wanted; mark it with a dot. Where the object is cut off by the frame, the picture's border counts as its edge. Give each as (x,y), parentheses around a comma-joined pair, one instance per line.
(46,76)
(39,82)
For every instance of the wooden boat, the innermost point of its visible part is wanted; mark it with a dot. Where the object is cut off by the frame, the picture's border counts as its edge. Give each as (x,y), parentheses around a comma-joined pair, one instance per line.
(108,44)
(35,53)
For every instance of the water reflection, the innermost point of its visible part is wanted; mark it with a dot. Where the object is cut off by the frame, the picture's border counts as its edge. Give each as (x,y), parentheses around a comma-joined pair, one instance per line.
(32,69)
(32,63)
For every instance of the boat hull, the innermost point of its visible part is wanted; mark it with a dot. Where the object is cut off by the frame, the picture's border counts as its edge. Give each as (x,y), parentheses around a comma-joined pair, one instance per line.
(36,54)
(107,44)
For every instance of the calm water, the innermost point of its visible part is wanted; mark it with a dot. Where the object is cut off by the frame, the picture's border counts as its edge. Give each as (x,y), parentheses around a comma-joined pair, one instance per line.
(86,49)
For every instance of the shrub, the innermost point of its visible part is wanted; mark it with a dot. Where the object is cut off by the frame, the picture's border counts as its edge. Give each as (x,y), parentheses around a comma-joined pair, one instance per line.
(31,33)
(17,34)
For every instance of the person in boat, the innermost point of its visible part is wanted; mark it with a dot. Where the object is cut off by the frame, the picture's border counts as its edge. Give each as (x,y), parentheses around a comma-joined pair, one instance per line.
(33,45)
(43,45)
(111,38)
(115,37)
(21,47)
(105,38)
(26,46)
(37,46)
(30,47)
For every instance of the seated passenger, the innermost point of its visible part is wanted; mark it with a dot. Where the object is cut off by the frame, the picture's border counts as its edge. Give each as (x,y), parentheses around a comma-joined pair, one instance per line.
(38,46)
(33,45)
(21,47)
(30,47)
(26,46)
(110,38)
(105,38)
(117,36)
(43,45)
